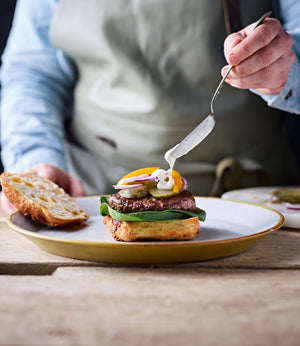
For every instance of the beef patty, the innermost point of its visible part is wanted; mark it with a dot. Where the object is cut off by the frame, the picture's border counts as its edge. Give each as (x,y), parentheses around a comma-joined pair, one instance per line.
(183,201)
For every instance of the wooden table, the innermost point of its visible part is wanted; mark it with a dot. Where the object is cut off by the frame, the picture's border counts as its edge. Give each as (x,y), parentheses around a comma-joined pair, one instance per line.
(249,299)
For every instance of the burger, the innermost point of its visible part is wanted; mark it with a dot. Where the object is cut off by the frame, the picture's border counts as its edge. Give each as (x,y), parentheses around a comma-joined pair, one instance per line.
(151,204)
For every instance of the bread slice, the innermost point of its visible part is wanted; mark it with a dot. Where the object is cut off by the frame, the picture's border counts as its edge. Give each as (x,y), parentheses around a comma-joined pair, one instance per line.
(163,230)
(41,199)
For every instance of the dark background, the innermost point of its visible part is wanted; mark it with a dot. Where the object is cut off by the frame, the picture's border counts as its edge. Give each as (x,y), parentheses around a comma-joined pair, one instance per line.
(7,8)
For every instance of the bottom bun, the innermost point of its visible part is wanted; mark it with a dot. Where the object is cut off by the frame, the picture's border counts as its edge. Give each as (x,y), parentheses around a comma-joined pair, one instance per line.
(162,230)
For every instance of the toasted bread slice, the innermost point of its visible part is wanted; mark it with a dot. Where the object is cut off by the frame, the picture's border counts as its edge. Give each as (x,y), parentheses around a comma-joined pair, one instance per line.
(163,230)
(41,199)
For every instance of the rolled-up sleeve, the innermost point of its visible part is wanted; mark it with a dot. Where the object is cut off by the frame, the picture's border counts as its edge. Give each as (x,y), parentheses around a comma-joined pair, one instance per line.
(36,86)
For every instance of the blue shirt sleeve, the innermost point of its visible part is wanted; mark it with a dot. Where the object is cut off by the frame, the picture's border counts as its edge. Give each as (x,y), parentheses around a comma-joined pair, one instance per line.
(288,12)
(36,85)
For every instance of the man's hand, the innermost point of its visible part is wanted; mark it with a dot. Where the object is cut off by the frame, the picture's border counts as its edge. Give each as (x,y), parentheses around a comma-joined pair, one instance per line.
(6,205)
(261,58)
(70,184)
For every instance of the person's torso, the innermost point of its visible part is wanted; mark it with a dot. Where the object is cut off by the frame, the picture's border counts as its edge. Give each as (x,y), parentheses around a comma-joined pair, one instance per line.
(147,70)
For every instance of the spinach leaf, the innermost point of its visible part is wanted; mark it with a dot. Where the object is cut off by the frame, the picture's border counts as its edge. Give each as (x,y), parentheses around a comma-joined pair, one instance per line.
(149,216)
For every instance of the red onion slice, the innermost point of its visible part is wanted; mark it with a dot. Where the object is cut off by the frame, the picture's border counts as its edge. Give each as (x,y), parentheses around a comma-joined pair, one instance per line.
(184,184)
(137,178)
(291,206)
(125,187)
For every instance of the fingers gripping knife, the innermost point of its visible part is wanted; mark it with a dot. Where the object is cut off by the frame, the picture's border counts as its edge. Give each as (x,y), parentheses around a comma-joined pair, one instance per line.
(205,127)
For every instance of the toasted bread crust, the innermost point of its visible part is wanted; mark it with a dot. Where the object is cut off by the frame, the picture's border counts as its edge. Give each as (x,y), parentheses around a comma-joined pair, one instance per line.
(163,230)
(41,199)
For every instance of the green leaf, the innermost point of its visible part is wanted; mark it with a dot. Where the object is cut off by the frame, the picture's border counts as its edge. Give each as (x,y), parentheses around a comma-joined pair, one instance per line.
(149,216)
(103,199)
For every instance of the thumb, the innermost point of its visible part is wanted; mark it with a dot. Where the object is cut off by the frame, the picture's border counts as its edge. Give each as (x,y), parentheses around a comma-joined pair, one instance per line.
(6,205)
(76,188)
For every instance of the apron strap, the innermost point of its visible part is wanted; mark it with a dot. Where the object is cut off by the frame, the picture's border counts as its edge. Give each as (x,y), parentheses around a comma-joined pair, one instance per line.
(232,15)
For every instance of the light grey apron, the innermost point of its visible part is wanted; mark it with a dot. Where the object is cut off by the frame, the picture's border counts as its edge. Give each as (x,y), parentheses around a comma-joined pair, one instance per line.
(147,70)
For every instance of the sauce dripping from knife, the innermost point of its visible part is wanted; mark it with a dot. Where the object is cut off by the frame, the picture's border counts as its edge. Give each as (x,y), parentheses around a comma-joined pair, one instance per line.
(170,159)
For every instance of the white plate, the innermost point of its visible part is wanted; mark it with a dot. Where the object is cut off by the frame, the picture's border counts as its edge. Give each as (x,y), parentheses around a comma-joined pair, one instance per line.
(261,196)
(230,228)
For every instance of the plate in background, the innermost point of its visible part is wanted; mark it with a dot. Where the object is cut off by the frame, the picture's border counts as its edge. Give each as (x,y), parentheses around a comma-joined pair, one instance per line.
(261,196)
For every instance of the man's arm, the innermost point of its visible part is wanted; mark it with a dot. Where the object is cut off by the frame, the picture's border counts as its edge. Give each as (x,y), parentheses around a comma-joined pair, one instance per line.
(37,82)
